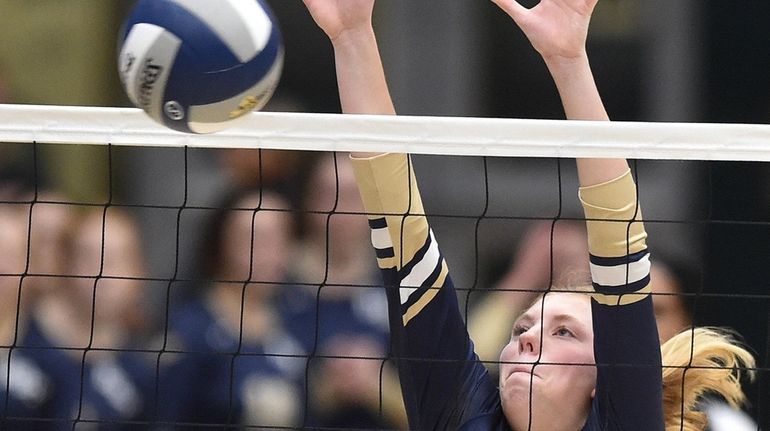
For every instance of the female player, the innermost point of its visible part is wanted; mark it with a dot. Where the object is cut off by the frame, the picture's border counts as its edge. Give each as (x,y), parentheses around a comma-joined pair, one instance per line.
(571,364)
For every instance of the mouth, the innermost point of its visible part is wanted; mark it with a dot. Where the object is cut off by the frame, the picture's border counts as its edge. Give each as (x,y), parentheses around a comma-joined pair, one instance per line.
(522,370)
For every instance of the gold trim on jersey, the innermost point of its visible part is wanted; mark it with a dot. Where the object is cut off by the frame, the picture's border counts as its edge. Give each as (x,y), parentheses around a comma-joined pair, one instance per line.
(428,296)
(625,299)
(389,189)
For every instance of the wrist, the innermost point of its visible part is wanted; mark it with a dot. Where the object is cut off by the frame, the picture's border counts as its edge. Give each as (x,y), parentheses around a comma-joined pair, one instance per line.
(353,37)
(561,64)
(577,88)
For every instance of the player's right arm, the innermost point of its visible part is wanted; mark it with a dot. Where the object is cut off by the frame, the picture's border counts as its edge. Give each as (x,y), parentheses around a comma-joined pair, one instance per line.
(360,75)
(442,381)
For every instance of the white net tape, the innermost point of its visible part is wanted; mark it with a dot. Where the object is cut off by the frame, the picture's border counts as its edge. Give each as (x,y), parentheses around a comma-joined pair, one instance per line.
(418,135)
(176,196)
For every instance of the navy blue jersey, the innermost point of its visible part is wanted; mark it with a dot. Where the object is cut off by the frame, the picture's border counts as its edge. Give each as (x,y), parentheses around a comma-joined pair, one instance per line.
(314,318)
(56,388)
(215,380)
(443,383)
(118,389)
(27,387)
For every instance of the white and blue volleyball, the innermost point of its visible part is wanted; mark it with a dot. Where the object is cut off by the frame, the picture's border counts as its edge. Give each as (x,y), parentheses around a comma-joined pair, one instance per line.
(198,65)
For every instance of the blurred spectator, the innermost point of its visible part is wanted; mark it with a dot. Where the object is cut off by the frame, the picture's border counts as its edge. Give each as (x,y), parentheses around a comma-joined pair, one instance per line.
(52,220)
(333,261)
(274,169)
(25,385)
(13,243)
(353,387)
(337,309)
(93,318)
(234,363)
(164,179)
(106,256)
(670,285)
(280,170)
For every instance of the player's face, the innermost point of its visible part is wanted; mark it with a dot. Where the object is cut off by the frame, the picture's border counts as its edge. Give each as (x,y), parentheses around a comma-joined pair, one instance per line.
(550,356)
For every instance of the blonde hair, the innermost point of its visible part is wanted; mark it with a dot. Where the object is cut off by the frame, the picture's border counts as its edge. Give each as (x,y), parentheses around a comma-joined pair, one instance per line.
(698,362)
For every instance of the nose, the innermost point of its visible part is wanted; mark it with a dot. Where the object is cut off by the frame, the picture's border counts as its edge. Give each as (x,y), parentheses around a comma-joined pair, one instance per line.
(529,341)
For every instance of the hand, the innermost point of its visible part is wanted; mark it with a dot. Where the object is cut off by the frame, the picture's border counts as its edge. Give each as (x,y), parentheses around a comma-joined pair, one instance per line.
(557,29)
(336,17)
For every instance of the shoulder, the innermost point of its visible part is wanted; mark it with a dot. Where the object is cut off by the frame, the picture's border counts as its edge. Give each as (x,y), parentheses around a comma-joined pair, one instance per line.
(192,326)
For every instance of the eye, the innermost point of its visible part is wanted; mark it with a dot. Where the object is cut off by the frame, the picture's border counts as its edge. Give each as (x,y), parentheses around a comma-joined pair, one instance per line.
(563,332)
(519,329)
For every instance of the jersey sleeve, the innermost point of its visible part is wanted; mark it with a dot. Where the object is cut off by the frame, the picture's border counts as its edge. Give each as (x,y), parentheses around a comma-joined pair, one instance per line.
(443,383)
(626,344)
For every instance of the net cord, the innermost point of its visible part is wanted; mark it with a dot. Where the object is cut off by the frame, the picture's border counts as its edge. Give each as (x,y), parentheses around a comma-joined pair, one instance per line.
(410,134)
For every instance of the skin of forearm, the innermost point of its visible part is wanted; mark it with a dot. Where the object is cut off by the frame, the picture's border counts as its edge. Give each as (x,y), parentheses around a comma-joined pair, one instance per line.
(581,100)
(360,75)
(361,79)
(577,88)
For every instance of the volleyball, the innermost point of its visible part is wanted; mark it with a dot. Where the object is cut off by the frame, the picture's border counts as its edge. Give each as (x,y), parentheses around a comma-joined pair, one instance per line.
(198,65)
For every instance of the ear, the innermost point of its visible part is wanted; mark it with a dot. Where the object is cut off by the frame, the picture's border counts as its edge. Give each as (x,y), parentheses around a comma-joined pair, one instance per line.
(593,393)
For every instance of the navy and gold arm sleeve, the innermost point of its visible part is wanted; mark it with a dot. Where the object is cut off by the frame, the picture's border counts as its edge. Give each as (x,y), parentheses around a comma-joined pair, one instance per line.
(626,344)
(442,381)
(401,236)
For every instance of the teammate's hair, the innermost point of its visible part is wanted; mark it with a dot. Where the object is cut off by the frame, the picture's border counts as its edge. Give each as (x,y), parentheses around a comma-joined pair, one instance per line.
(210,256)
(699,363)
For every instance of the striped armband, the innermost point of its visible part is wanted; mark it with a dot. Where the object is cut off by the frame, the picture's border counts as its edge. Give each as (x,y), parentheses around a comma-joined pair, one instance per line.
(420,277)
(621,280)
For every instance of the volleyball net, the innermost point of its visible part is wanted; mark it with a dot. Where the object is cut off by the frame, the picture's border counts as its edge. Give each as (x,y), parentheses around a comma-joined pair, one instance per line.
(159,280)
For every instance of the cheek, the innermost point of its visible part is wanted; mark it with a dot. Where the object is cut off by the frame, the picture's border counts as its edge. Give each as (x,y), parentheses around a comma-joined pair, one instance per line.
(508,352)
(581,355)
(582,375)
(507,355)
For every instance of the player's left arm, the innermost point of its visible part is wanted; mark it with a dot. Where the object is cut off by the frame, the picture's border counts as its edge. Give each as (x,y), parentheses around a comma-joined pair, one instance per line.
(626,348)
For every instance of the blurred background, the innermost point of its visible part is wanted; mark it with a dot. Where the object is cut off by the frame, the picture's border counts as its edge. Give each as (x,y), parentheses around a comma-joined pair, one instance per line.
(654,60)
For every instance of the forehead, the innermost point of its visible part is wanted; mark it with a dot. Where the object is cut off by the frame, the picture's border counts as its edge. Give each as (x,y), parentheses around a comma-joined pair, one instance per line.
(562,305)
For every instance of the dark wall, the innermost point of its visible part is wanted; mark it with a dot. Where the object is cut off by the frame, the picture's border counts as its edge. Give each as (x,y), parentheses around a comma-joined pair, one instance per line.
(738,76)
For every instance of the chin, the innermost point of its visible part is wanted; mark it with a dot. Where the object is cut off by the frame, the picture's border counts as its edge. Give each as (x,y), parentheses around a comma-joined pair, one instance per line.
(517,413)
(515,398)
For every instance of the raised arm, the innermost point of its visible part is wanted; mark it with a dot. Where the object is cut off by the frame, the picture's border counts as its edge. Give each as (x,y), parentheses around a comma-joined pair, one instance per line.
(626,349)
(558,30)
(360,75)
(443,384)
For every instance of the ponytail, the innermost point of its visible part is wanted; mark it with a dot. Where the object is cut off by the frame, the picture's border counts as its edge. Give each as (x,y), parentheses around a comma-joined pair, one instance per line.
(701,362)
